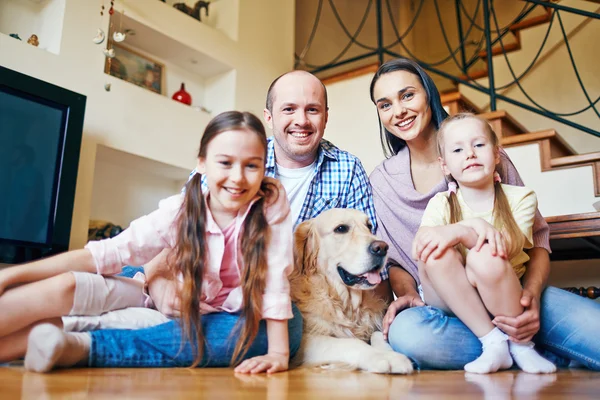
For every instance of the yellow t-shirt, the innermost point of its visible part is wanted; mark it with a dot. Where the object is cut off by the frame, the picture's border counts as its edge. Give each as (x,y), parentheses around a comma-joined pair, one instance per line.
(523,203)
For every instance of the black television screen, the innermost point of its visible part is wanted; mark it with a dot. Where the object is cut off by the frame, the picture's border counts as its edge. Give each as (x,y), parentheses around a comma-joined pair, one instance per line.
(41,128)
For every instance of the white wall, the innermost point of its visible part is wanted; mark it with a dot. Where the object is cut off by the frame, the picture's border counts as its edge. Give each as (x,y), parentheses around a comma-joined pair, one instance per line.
(353,122)
(135,121)
(559,192)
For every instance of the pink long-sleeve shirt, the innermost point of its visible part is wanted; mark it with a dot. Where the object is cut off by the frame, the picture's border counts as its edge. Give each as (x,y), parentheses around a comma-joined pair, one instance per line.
(147,236)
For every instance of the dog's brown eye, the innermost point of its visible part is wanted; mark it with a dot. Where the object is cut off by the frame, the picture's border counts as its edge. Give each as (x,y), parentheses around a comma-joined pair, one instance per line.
(370,227)
(341,229)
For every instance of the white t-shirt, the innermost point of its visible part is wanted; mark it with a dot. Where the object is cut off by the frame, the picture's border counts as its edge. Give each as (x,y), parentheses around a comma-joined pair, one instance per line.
(296,182)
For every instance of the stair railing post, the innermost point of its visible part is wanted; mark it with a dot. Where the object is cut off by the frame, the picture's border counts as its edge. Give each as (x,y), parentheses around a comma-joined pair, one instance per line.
(380,48)
(461,40)
(487,4)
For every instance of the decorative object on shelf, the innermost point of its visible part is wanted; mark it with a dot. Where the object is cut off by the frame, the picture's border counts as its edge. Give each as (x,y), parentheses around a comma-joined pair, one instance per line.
(193,12)
(100,36)
(33,40)
(98,230)
(107,87)
(119,37)
(135,68)
(15,35)
(182,96)
(110,53)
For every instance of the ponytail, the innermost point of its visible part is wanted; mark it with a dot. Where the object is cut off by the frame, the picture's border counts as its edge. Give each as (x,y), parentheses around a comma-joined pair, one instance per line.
(456,216)
(256,237)
(189,261)
(505,221)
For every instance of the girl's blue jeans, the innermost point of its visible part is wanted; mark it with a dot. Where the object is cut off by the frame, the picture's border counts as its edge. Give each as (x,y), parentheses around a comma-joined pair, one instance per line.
(161,346)
(569,325)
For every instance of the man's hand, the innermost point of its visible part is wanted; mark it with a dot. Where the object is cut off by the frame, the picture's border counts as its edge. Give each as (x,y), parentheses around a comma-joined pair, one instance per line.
(522,328)
(165,295)
(401,303)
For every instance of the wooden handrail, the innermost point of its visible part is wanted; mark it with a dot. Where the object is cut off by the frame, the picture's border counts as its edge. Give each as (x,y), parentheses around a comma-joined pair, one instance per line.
(353,73)
(577,159)
(528,137)
(574,225)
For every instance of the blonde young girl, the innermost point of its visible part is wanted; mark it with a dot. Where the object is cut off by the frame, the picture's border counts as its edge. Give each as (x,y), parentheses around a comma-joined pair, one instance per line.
(470,244)
(231,252)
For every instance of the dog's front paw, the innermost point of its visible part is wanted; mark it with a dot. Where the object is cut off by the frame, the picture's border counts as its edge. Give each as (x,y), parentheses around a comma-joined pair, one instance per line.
(388,362)
(379,342)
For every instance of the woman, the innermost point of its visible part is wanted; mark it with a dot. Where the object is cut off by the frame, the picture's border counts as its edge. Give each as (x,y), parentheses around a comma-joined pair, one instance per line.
(410,112)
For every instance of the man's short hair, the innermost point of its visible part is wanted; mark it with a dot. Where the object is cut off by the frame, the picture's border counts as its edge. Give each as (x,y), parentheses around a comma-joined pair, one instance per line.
(270,95)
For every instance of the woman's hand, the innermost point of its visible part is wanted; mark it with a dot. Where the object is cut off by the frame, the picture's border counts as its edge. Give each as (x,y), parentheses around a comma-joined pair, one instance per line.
(269,363)
(523,327)
(434,241)
(486,233)
(401,303)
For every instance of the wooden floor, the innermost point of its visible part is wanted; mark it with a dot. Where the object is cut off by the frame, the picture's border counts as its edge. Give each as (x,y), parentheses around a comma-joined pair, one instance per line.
(113,384)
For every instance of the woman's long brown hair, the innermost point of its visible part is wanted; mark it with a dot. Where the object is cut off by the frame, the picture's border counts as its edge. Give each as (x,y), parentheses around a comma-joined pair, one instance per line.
(503,218)
(190,254)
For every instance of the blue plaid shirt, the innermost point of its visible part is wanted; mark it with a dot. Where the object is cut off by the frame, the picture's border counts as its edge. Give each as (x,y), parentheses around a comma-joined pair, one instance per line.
(340,182)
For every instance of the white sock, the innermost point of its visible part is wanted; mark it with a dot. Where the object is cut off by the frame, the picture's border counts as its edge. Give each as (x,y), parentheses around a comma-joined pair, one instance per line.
(495,355)
(529,360)
(49,346)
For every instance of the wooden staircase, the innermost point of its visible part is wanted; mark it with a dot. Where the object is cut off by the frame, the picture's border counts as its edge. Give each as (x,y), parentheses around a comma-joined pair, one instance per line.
(515,31)
(555,152)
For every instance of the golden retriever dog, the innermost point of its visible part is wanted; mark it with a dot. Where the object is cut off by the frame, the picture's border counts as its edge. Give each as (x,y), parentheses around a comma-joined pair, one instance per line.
(337,264)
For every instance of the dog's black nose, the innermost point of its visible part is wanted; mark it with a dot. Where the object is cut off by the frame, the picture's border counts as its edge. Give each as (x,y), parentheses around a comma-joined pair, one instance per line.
(378,248)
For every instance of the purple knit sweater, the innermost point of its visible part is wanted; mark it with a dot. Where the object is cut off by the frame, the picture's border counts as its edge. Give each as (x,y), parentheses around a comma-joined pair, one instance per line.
(399,207)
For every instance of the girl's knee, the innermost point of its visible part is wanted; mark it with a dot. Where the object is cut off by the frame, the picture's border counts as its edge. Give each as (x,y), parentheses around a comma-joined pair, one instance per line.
(62,290)
(450,256)
(482,265)
(65,282)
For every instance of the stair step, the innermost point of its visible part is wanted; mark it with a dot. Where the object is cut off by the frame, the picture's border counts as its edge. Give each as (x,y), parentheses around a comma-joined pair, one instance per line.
(508,47)
(557,149)
(503,123)
(455,102)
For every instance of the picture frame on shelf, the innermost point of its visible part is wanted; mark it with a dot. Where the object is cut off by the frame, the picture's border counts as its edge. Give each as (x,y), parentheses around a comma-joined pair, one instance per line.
(131,66)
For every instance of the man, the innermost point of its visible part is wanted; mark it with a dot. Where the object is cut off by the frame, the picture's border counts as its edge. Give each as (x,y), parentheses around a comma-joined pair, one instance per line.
(317,175)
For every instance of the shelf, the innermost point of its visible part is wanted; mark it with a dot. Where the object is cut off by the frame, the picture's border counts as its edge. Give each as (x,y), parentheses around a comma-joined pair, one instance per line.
(169,135)
(207,79)
(174,28)
(222,15)
(43,18)
(164,47)
(127,186)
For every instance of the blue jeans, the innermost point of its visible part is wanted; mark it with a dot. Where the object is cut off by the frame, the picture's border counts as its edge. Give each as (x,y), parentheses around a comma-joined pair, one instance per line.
(434,340)
(161,346)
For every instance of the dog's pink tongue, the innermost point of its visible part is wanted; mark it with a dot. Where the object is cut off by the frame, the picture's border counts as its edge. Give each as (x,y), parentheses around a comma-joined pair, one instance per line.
(373,277)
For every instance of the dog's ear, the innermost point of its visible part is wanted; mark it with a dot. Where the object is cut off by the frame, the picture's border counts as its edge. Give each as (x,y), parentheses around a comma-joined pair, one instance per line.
(305,249)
